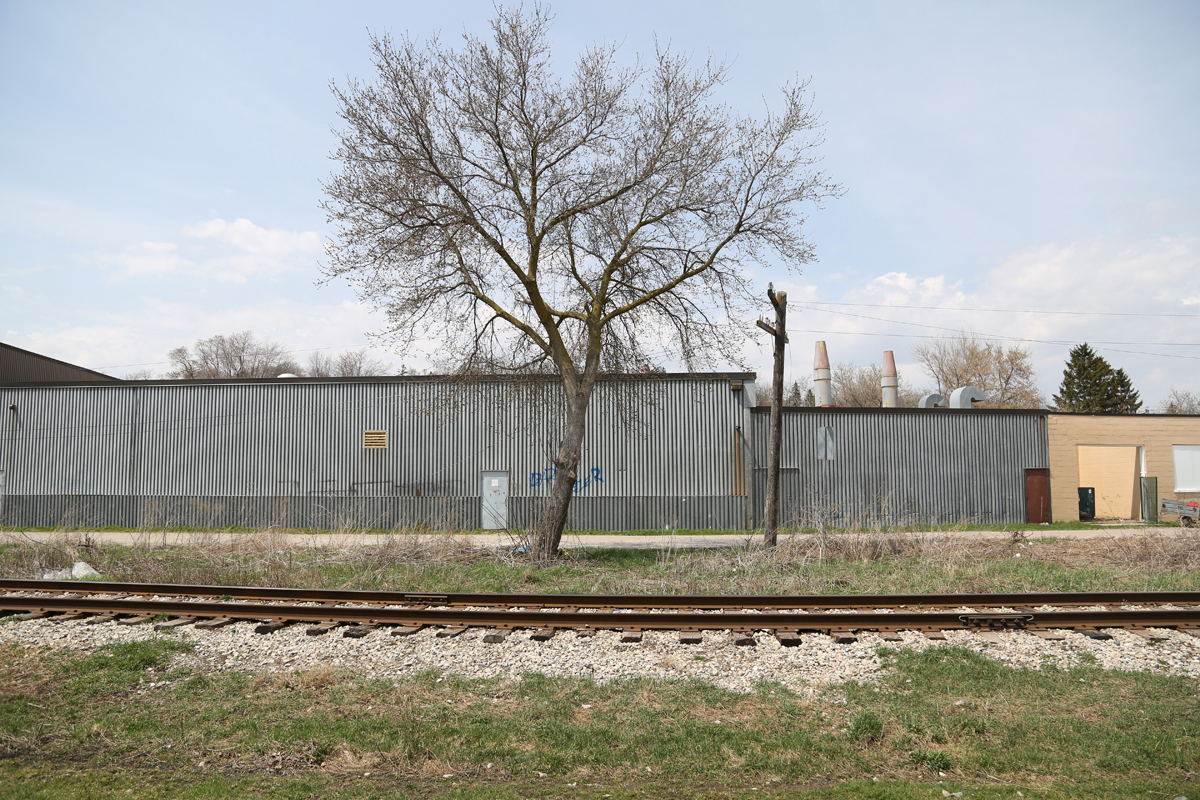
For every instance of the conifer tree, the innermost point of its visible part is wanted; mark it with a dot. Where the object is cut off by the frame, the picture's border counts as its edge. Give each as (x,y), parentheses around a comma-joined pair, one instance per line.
(1091,386)
(1124,394)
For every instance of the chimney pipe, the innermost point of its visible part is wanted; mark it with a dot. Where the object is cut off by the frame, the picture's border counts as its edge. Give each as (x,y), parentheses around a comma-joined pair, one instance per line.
(889,382)
(822,377)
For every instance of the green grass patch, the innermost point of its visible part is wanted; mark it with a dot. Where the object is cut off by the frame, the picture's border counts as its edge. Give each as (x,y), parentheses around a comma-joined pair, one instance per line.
(880,563)
(68,724)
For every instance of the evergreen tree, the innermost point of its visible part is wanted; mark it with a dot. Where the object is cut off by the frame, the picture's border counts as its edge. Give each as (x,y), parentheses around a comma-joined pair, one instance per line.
(1091,386)
(1124,394)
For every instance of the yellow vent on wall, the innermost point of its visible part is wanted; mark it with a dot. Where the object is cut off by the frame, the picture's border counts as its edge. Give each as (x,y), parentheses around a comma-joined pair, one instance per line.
(374,439)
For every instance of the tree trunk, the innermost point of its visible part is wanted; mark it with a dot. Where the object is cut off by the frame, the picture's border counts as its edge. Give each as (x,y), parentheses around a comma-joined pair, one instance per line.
(566,472)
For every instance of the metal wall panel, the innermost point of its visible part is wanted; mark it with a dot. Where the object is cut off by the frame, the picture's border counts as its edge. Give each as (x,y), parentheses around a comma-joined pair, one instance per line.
(657,453)
(195,447)
(246,512)
(902,466)
(638,513)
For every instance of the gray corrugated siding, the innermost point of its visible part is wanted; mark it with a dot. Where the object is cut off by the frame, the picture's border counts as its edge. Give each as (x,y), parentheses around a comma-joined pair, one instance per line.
(657,454)
(898,467)
(290,453)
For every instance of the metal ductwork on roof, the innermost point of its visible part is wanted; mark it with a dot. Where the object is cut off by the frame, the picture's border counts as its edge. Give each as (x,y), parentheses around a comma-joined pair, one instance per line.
(932,400)
(822,377)
(890,382)
(964,397)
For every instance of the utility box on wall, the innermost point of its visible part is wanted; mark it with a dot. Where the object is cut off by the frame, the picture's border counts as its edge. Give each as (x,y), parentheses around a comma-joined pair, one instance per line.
(1087,503)
(1150,499)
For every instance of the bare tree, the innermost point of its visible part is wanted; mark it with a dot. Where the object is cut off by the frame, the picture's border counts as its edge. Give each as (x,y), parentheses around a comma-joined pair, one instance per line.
(352,363)
(143,374)
(569,227)
(1180,401)
(238,355)
(1005,374)
(860,387)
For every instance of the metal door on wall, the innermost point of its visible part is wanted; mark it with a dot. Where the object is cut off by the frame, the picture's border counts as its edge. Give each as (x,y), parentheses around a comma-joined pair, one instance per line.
(494,501)
(1037,495)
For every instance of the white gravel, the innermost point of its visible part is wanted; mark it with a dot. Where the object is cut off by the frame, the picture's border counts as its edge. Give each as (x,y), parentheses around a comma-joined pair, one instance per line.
(815,663)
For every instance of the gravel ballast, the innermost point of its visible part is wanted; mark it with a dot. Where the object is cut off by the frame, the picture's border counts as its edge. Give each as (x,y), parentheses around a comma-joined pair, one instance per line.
(817,662)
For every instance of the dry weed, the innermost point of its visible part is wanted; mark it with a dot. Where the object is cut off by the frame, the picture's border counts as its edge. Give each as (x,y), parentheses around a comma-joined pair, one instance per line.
(345,759)
(261,558)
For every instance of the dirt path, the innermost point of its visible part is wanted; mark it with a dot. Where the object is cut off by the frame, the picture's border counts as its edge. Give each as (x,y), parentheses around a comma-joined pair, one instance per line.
(491,540)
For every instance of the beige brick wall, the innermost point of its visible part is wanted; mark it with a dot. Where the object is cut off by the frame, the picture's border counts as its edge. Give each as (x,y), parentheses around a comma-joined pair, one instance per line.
(1113,471)
(1156,434)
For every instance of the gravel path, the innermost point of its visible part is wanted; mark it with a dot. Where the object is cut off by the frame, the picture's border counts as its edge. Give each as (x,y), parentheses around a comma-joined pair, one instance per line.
(816,663)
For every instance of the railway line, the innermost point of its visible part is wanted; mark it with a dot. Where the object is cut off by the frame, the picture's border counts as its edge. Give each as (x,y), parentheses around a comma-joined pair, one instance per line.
(787,618)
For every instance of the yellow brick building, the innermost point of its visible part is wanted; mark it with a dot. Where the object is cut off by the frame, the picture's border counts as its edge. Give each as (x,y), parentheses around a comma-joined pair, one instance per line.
(1113,453)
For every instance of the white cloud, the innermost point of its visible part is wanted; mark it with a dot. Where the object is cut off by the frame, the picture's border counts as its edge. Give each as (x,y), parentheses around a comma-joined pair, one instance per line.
(149,258)
(123,342)
(898,287)
(1102,274)
(249,238)
(244,251)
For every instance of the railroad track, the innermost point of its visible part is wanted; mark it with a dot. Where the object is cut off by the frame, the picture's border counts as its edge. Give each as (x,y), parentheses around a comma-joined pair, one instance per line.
(786,617)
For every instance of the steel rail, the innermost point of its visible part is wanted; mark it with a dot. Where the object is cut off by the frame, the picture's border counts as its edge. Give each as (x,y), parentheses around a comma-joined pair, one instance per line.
(856,601)
(595,620)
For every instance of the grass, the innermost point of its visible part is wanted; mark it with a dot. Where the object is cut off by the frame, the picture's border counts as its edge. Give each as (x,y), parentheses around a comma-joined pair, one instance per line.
(129,721)
(88,726)
(866,563)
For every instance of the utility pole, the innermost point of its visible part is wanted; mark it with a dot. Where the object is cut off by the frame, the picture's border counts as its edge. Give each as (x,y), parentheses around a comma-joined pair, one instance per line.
(779,332)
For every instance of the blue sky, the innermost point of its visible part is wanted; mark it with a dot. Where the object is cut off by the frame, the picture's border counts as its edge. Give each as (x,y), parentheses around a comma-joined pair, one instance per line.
(162,169)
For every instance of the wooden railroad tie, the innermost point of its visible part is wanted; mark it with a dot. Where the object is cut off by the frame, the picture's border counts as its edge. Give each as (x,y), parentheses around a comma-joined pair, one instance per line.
(788,638)
(169,624)
(744,638)
(407,630)
(1050,635)
(213,624)
(358,631)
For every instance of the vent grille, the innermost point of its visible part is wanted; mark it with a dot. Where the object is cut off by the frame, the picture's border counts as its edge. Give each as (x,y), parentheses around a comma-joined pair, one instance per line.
(374,439)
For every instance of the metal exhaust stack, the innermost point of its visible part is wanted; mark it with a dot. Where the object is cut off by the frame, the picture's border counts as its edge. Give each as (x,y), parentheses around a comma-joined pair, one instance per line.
(889,382)
(822,377)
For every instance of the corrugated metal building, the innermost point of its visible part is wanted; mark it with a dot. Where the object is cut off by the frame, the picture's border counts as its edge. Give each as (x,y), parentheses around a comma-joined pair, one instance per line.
(23,366)
(661,451)
(889,466)
(658,453)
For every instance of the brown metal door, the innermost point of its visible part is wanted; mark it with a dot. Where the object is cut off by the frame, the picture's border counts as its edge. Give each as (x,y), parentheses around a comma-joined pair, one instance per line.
(1037,495)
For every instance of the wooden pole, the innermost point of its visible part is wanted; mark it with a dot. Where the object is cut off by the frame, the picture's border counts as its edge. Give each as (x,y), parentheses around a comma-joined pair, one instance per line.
(779,332)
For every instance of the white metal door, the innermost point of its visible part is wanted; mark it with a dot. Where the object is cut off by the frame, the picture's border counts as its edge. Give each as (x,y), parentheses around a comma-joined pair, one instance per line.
(494,514)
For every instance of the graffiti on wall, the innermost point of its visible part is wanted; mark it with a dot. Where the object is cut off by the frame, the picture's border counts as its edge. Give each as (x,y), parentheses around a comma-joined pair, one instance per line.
(546,477)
